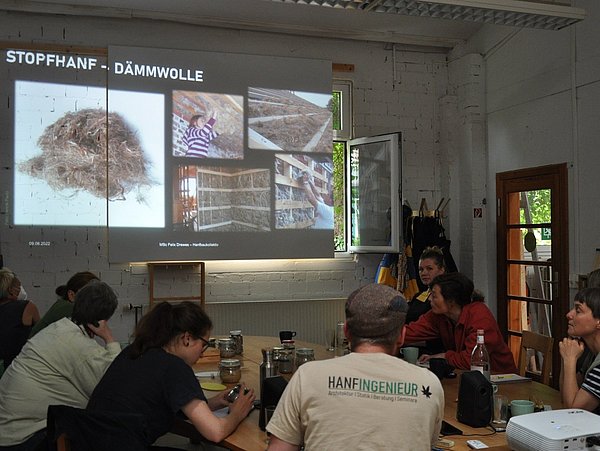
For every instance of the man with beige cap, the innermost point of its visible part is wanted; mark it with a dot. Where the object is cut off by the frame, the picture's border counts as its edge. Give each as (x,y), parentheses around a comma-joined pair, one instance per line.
(368,399)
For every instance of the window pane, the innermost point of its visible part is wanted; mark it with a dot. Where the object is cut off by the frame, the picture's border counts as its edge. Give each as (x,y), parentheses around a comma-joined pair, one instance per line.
(339,199)
(370,172)
(530,281)
(535,207)
(530,316)
(336,102)
(532,243)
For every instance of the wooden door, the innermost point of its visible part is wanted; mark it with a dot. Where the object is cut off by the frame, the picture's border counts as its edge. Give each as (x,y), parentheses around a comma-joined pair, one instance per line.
(532,266)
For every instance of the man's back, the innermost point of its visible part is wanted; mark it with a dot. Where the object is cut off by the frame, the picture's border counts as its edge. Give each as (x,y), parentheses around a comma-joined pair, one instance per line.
(362,401)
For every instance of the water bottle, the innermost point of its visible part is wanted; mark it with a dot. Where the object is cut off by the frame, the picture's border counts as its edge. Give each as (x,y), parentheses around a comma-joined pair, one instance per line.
(480,359)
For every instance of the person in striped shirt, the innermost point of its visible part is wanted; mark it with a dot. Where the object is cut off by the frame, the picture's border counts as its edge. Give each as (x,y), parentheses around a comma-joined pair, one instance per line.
(583,326)
(198,136)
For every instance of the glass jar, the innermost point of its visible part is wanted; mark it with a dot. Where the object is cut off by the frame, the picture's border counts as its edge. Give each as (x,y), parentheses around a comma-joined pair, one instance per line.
(230,371)
(238,340)
(304,355)
(285,361)
(289,344)
(276,350)
(226,347)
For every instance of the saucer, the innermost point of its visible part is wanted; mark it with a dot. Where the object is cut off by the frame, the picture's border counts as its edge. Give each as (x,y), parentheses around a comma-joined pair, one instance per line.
(212,386)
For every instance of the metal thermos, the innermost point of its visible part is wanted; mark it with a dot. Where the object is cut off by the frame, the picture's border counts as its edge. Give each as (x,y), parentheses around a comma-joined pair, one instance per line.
(267,369)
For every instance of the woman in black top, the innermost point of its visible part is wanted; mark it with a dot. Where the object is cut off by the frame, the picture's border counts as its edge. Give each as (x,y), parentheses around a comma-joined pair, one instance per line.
(431,265)
(154,376)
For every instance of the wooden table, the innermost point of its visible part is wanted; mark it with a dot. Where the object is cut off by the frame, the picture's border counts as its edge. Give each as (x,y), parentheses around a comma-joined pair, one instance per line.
(249,437)
(495,440)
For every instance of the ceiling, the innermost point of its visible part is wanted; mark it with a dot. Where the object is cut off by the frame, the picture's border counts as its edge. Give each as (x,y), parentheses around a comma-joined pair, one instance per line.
(306,20)
(346,19)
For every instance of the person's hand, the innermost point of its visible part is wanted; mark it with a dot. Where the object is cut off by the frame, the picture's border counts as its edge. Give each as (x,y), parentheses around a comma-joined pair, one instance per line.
(426,357)
(244,402)
(215,115)
(570,349)
(102,330)
(219,400)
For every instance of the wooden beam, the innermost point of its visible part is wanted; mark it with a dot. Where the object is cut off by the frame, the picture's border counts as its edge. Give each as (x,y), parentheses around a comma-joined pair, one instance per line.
(338,67)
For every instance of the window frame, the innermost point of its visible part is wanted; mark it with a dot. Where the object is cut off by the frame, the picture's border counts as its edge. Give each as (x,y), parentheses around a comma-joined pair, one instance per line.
(344,87)
(393,141)
(345,135)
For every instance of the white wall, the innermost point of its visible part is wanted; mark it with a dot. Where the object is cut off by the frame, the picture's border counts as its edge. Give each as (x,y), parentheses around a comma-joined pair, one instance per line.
(543,107)
(409,103)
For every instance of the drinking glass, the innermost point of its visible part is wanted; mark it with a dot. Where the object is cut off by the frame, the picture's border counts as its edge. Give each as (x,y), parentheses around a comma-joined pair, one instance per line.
(330,339)
(269,411)
(500,417)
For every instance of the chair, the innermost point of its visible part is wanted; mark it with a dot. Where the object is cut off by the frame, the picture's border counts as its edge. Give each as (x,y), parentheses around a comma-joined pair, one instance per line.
(541,344)
(63,443)
(75,429)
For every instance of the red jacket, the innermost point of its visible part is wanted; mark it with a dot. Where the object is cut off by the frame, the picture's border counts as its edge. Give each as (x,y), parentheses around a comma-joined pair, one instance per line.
(460,339)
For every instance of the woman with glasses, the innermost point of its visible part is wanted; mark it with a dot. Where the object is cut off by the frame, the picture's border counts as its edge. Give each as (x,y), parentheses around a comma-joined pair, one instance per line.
(154,376)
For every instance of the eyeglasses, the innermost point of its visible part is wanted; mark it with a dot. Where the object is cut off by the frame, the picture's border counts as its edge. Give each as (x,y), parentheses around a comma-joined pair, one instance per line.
(206,344)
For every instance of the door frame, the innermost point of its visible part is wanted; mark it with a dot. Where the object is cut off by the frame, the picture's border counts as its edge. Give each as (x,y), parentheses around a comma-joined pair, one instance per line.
(555,178)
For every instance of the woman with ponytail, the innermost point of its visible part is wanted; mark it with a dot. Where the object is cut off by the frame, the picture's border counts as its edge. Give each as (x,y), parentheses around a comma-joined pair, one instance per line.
(63,307)
(154,376)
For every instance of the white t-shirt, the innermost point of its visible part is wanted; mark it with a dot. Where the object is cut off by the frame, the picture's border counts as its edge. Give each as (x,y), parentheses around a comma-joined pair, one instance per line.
(323,216)
(362,401)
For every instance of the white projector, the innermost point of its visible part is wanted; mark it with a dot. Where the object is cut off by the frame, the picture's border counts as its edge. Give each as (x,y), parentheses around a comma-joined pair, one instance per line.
(554,430)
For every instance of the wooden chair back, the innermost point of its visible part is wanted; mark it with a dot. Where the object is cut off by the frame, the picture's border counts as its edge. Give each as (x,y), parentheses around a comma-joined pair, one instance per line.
(62,443)
(539,343)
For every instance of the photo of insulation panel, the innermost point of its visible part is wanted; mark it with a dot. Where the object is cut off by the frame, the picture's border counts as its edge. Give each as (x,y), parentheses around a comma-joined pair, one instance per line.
(291,121)
(221,199)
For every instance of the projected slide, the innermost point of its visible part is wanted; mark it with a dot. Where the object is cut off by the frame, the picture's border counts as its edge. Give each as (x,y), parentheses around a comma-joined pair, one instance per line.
(182,155)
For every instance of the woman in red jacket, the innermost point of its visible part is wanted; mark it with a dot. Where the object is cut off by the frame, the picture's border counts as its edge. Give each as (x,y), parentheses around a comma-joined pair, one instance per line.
(454,317)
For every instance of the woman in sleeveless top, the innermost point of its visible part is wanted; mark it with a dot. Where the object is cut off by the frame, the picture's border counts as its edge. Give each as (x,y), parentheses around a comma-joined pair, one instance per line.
(17,316)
